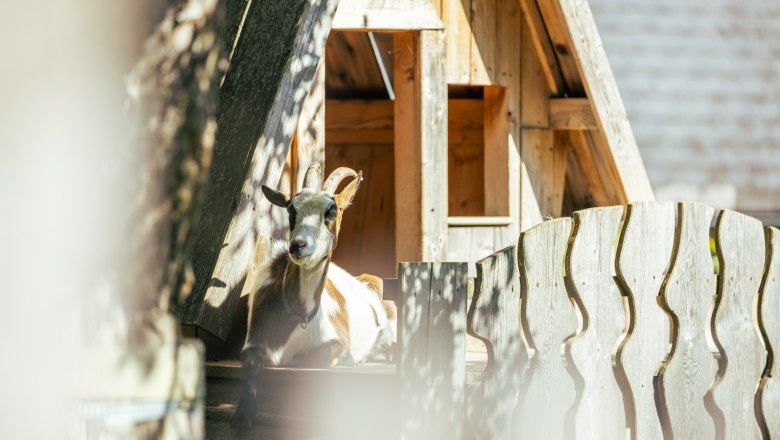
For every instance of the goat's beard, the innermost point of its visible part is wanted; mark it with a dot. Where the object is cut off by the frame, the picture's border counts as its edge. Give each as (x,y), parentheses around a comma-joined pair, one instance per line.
(309,262)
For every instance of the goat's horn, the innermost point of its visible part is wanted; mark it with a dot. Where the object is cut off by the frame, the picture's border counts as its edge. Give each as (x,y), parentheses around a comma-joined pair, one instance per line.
(311,176)
(336,177)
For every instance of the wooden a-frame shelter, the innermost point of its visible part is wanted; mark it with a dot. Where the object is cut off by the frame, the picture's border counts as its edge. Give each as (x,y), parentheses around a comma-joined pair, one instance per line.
(495,113)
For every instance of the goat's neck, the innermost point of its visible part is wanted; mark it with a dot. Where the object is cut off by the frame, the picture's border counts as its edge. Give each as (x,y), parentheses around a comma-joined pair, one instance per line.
(311,282)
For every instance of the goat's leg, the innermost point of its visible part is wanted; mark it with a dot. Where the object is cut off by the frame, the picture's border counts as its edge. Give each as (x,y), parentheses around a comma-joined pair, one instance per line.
(251,358)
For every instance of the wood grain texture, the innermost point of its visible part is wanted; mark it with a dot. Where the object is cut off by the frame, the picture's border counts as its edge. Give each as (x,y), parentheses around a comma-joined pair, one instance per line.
(482,19)
(537,31)
(455,14)
(572,114)
(600,85)
(546,162)
(386,15)
(496,151)
(260,101)
(643,256)
(547,320)
(494,318)
(421,146)
(687,296)
(739,240)
(769,312)
(433,335)
(589,267)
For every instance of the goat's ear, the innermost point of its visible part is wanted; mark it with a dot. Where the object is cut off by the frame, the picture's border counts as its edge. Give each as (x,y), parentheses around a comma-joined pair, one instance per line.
(278,198)
(344,198)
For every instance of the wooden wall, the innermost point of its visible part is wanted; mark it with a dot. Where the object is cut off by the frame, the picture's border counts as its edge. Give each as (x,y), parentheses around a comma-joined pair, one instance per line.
(359,135)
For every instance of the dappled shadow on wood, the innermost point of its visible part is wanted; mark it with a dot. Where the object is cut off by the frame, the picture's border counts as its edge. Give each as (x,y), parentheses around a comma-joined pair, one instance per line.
(494,319)
(432,328)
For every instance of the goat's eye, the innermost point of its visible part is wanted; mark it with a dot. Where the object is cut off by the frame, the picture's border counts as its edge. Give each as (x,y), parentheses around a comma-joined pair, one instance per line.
(331,213)
(291,212)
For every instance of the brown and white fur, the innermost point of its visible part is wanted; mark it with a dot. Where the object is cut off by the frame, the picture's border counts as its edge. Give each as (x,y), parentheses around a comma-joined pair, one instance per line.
(305,310)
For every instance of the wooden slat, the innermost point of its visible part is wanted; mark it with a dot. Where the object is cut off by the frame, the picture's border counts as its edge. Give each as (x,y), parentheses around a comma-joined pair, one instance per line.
(589,266)
(496,151)
(602,90)
(433,334)
(260,102)
(554,22)
(643,255)
(572,114)
(494,318)
(687,295)
(547,319)
(455,14)
(420,146)
(369,223)
(530,215)
(545,53)
(739,240)
(769,392)
(535,97)
(509,55)
(584,171)
(479,221)
(547,159)
(351,115)
(386,15)
(351,69)
(482,19)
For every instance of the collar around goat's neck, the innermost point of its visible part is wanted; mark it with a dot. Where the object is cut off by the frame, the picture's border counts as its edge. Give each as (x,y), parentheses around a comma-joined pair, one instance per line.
(303,319)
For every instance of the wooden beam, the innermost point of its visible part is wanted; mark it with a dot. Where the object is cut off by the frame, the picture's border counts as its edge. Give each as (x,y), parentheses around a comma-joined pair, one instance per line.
(562,45)
(544,49)
(482,20)
(605,100)
(386,15)
(260,102)
(572,114)
(496,151)
(548,160)
(456,14)
(420,146)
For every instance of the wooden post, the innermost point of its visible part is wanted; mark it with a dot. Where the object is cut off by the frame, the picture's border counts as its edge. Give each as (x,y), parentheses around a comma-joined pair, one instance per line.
(420,146)
(432,331)
(260,101)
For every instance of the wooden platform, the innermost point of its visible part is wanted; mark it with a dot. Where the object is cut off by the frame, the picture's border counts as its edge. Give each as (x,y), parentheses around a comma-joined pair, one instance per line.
(298,403)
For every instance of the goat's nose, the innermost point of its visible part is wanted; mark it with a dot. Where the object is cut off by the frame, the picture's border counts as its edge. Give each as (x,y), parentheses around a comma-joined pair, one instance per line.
(298,246)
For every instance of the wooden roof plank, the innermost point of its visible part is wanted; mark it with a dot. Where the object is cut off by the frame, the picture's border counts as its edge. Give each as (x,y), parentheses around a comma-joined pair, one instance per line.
(386,15)
(544,50)
(601,88)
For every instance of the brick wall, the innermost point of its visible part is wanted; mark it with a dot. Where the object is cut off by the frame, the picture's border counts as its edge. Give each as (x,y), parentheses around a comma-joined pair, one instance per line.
(700,80)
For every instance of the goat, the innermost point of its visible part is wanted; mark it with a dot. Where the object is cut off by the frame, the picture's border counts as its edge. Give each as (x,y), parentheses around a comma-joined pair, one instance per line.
(306,311)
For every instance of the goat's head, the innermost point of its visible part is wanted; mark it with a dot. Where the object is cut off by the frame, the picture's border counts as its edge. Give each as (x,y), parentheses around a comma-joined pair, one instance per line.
(315,213)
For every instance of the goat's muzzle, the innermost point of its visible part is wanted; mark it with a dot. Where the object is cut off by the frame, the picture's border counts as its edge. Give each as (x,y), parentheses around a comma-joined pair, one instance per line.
(301,247)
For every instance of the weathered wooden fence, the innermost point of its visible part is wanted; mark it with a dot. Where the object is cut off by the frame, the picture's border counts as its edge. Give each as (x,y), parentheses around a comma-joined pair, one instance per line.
(601,329)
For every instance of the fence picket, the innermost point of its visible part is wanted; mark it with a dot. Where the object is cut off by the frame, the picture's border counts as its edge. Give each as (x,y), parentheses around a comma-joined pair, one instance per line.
(769,392)
(547,319)
(687,295)
(741,255)
(643,255)
(589,266)
(495,319)
(433,334)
